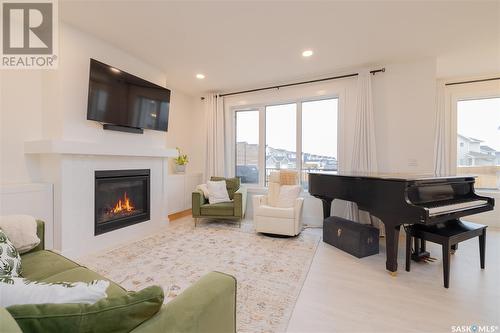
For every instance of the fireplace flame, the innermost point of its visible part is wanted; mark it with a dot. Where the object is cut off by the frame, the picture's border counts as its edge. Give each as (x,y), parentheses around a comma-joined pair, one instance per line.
(123,205)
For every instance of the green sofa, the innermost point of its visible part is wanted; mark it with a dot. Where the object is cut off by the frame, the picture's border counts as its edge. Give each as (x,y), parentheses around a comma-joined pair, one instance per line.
(209,305)
(233,210)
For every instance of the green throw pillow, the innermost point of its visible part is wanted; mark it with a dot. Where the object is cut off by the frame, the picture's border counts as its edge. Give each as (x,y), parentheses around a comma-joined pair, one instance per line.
(232,184)
(10,260)
(114,314)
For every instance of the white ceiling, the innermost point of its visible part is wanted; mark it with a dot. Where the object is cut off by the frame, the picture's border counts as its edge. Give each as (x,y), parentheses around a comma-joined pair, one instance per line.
(244,44)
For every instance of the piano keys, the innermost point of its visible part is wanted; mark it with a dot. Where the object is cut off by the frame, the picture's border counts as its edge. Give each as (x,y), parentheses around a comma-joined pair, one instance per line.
(436,209)
(398,199)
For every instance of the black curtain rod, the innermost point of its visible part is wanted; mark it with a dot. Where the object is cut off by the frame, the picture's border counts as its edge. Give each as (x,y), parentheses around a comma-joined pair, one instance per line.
(381,70)
(472,81)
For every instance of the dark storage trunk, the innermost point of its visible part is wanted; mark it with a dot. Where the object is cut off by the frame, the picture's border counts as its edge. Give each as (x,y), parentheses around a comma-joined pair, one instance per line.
(360,240)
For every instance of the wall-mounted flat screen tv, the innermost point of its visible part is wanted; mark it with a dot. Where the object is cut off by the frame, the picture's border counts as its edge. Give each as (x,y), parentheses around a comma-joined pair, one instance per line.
(119,98)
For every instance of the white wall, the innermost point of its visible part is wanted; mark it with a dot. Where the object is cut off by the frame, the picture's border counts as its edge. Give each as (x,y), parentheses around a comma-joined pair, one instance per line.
(187,131)
(76,50)
(31,199)
(344,89)
(404,114)
(197,131)
(472,61)
(53,104)
(404,101)
(20,120)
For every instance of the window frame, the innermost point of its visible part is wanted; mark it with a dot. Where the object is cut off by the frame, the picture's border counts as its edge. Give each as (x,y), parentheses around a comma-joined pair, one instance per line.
(261,108)
(297,132)
(235,134)
(463,92)
(455,94)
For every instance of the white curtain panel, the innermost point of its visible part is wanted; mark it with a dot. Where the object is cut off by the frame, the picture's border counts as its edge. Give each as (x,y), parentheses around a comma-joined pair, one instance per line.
(364,157)
(442,163)
(215,136)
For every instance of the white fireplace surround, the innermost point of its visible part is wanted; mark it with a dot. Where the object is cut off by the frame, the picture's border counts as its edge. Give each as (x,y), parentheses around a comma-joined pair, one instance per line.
(93,148)
(71,166)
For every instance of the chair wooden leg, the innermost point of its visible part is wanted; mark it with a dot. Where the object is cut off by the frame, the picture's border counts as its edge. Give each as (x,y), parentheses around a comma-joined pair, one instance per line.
(408,251)
(195,221)
(482,247)
(446,264)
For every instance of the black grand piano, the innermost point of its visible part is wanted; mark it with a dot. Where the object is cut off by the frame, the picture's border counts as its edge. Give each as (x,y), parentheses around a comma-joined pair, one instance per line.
(401,199)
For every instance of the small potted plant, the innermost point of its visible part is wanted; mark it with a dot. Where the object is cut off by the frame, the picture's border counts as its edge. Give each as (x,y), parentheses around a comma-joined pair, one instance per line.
(180,161)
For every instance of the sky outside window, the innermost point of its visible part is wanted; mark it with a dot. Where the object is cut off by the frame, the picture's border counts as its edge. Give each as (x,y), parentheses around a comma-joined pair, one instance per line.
(247,126)
(281,126)
(319,127)
(480,119)
(478,141)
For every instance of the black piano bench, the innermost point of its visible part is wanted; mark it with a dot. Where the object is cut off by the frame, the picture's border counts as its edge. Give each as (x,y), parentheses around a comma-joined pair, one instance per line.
(448,234)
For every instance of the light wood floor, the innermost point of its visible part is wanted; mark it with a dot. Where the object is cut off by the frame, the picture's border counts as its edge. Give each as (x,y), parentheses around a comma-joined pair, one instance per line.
(346,294)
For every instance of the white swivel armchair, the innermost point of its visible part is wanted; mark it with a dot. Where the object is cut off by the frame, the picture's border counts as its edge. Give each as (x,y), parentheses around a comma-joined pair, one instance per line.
(279,212)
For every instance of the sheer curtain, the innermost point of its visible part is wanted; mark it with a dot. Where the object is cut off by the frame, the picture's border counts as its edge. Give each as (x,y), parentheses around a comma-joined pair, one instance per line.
(364,156)
(442,163)
(215,136)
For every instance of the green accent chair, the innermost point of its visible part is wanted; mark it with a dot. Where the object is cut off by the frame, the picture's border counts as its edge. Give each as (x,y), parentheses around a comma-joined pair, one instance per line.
(209,305)
(233,210)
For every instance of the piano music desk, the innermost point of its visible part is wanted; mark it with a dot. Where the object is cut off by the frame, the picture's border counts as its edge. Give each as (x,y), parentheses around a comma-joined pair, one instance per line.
(448,235)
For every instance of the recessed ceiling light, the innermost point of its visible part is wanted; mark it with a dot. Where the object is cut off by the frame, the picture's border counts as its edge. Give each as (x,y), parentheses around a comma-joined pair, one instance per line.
(307,53)
(116,70)
(200,76)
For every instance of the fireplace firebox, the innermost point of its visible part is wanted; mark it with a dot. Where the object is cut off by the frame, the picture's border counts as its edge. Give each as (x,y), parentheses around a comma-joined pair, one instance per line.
(121,199)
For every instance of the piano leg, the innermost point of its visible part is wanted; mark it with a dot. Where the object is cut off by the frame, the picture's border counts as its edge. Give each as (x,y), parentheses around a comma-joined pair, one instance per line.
(327,207)
(391,244)
(482,247)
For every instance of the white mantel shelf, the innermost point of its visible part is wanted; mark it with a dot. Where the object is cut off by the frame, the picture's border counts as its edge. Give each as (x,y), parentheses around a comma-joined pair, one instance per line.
(63,147)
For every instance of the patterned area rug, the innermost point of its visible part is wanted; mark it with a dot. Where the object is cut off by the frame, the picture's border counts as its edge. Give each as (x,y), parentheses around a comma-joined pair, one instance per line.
(270,271)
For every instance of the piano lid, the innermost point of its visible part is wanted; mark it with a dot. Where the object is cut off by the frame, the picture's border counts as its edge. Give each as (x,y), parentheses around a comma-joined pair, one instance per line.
(394,176)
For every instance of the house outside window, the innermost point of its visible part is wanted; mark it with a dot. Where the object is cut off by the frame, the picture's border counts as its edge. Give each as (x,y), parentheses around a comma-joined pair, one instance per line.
(478,141)
(281,137)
